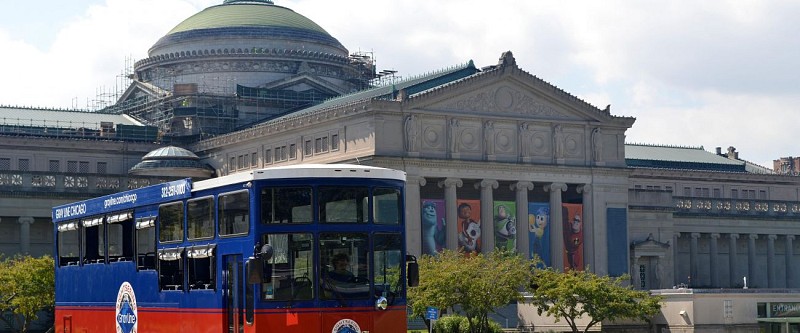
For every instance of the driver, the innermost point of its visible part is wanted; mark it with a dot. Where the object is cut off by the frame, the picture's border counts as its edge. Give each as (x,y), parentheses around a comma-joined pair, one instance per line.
(341,265)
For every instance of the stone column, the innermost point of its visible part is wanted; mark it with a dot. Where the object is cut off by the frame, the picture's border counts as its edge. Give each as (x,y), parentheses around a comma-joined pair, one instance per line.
(732,260)
(487,206)
(25,234)
(751,259)
(713,253)
(413,213)
(771,260)
(636,280)
(522,188)
(789,267)
(693,259)
(451,210)
(556,225)
(676,278)
(588,228)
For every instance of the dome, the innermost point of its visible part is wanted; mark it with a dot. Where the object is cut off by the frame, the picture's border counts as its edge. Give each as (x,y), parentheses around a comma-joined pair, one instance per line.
(171,161)
(246,19)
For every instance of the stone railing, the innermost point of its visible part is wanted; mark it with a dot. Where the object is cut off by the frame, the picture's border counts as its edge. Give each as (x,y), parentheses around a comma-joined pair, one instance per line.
(53,183)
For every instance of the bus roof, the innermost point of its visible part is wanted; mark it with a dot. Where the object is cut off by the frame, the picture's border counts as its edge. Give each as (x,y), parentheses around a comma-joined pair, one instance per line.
(304,171)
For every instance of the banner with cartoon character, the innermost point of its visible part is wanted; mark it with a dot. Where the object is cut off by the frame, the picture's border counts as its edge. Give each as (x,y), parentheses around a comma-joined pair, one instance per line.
(539,231)
(433,226)
(469,226)
(573,236)
(505,225)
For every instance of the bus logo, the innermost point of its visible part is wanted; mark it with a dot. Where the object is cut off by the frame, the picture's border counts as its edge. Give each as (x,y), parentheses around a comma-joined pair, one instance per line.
(346,326)
(126,309)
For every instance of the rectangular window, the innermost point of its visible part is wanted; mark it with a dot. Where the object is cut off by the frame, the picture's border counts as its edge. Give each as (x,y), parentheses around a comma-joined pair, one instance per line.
(293,254)
(324,144)
(751,194)
(83,167)
(387,260)
(94,245)
(762,194)
(706,193)
(102,168)
(286,205)
(69,243)
(292,151)
(637,187)
(234,213)
(334,141)
(170,269)
(200,218)
(170,222)
(5,164)
(232,164)
(698,192)
(24,164)
(278,154)
(202,271)
(146,243)
(386,205)
(241,162)
(307,148)
(344,265)
(734,194)
(54,166)
(72,166)
(717,193)
(687,191)
(668,188)
(283,153)
(254,160)
(343,204)
(120,236)
(318,145)
(268,156)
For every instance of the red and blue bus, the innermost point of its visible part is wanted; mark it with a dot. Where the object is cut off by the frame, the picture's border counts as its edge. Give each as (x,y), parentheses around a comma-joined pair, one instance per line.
(306,248)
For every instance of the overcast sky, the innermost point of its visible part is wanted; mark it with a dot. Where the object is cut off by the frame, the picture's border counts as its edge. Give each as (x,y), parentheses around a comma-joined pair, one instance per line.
(693,73)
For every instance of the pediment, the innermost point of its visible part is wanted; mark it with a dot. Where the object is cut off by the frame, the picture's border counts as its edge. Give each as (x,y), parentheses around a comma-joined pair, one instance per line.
(503,99)
(305,80)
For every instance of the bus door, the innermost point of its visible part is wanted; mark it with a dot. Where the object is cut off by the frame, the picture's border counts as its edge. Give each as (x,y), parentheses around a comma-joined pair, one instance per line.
(232,285)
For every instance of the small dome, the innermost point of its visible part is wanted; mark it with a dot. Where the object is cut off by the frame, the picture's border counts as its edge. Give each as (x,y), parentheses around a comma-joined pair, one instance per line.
(171,161)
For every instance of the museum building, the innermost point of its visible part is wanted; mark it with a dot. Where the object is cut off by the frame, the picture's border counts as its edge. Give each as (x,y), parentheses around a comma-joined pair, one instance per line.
(495,156)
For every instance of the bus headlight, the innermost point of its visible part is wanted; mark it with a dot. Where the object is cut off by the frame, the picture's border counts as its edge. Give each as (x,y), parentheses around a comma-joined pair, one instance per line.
(382,303)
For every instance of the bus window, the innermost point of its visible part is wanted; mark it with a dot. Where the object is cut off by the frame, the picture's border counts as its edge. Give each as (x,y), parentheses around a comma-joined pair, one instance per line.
(292,267)
(146,243)
(286,205)
(68,243)
(343,204)
(386,205)
(170,222)
(234,213)
(387,259)
(94,246)
(200,218)
(200,261)
(120,236)
(345,267)
(170,269)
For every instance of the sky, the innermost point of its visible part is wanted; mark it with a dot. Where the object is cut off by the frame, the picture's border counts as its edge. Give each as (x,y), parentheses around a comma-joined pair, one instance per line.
(693,73)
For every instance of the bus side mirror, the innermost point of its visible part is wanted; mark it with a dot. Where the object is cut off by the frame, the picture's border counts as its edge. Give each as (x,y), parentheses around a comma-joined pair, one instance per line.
(412,271)
(255,270)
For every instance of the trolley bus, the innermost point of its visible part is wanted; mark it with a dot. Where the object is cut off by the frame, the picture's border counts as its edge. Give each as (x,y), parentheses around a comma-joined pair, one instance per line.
(307,248)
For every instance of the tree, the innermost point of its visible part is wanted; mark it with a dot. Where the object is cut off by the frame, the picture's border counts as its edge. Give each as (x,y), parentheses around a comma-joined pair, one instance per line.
(574,294)
(478,283)
(27,286)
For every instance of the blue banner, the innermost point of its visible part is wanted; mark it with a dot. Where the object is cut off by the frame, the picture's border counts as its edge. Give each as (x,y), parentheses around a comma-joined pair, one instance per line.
(154,194)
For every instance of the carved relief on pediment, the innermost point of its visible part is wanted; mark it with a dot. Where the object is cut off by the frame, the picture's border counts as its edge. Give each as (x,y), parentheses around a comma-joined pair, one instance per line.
(505,99)
(433,135)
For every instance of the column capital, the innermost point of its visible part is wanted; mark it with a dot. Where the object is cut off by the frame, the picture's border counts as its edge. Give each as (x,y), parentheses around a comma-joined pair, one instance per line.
(451,182)
(772,237)
(553,187)
(521,186)
(752,236)
(585,188)
(790,237)
(25,219)
(714,236)
(695,235)
(490,183)
(733,236)
(416,180)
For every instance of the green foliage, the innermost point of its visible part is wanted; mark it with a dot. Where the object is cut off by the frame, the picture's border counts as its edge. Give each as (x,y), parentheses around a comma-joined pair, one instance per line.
(27,285)
(478,283)
(460,324)
(575,294)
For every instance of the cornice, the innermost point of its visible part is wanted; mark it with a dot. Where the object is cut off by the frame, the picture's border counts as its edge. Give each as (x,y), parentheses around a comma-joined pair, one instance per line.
(252,52)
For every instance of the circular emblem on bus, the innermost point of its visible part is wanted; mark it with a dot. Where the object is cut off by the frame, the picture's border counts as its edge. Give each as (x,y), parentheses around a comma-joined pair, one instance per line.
(126,309)
(346,326)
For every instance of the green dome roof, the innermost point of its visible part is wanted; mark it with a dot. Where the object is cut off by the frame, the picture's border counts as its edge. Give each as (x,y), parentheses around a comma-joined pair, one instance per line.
(247,13)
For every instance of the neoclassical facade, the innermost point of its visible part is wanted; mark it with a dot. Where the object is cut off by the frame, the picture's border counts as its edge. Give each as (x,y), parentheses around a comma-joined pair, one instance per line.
(495,156)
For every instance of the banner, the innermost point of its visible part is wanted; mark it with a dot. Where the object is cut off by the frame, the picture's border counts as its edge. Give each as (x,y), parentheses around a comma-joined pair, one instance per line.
(573,236)
(539,231)
(469,226)
(433,226)
(505,225)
